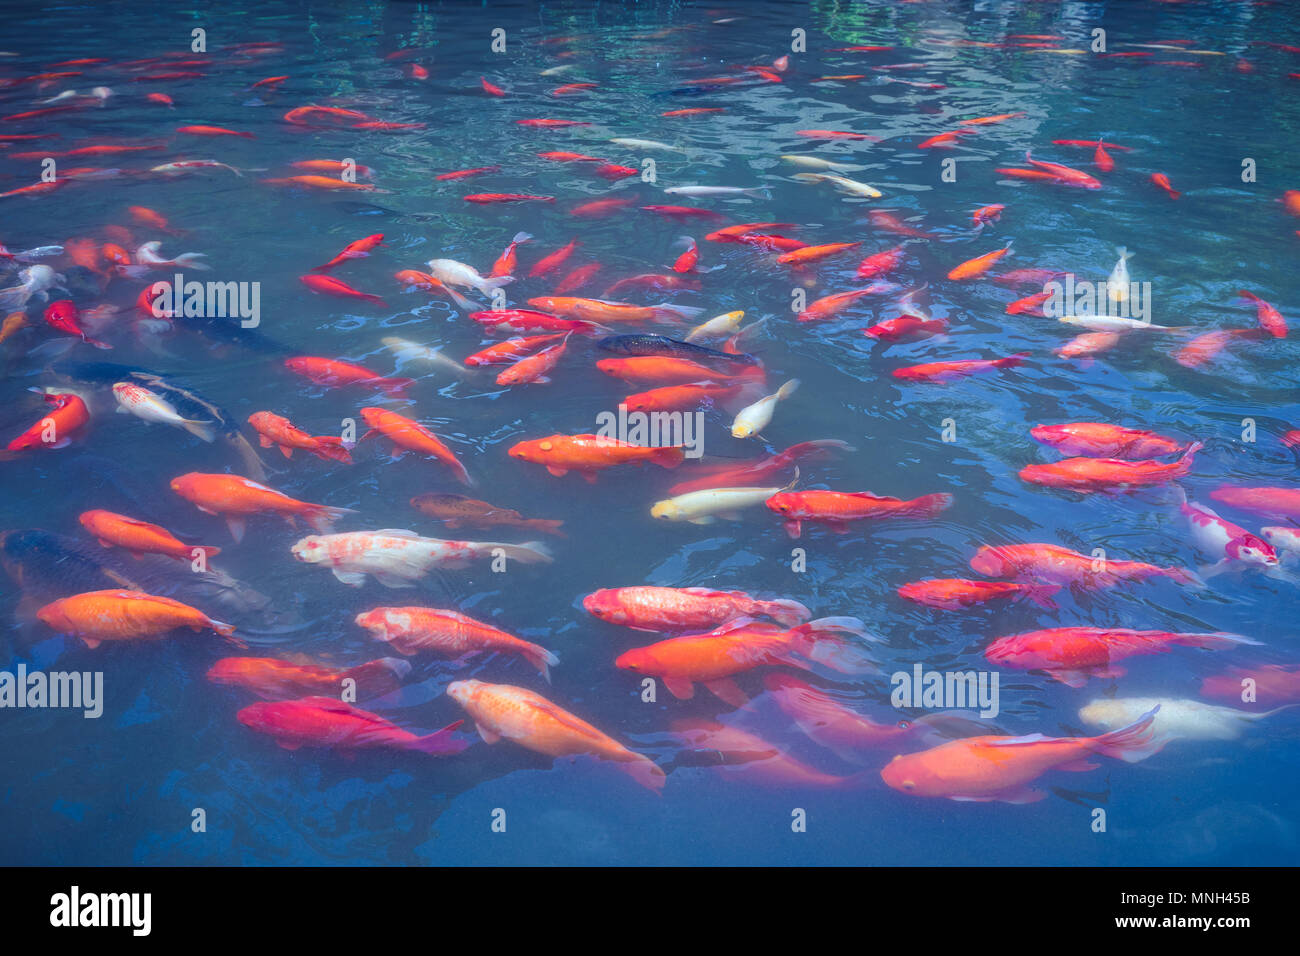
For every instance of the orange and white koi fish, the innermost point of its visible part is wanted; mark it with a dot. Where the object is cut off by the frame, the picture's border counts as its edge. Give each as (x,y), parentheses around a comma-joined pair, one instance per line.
(411,630)
(648,608)
(535,723)
(98,616)
(397,558)
(235,498)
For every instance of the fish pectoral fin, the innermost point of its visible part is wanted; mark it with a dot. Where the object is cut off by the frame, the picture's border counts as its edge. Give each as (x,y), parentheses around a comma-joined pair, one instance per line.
(1078,766)
(489,736)
(288,744)
(729,691)
(91,642)
(353,578)
(679,687)
(237,526)
(704,519)
(286,451)
(557,472)
(262,439)
(389,580)
(1071,678)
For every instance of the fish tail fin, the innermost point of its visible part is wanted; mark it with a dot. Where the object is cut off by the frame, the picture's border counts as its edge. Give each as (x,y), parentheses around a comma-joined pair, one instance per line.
(1217,639)
(461,302)
(786,612)
(190,260)
(376,300)
(1185,462)
(440,743)
(546,525)
(1011,361)
(522,237)
(666,312)
(669,457)
(1124,254)
(788,389)
(928,506)
(334,449)
(1183,575)
(228,632)
(540,658)
(822,641)
(1133,743)
(202,430)
(206,550)
(322,517)
(645,771)
(395,386)
(376,678)
(489,286)
(531,552)
(1041,594)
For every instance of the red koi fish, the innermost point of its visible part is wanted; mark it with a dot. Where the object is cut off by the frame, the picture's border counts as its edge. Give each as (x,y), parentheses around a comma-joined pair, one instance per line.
(943,372)
(836,509)
(1109,474)
(359,249)
(327,722)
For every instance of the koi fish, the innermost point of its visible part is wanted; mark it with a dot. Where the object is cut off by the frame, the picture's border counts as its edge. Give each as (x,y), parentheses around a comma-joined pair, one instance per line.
(1161,180)
(836,509)
(1108,474)
(588,454)
(456,511)
(718,476)
(328,285)
(752,419)
(1053,564)
(992,768)
(327,722)
(830,306)
(1099,440)
(1270,319)
(333,373)
(533,369)
(958,594)
(706,506)
(943,372)
(139,537)
(1231,544)
(397,558)
(1073,655)
(743,644)
(906,328)
(535,723)
(235,498)
(600,310)
(666,370)
(1278,503)
(507,261)
(151,407)
(67,416)
(974,268)
(65,317)
(212,131)
(99,616)
(274,679)
(358,249)
(649,608)
(275,430)
(409,435)
(410,630)
(530,320)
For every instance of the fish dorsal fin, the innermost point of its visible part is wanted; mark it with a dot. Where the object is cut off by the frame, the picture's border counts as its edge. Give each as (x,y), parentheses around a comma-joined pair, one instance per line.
(397,532)
(735,624)
(1019,741)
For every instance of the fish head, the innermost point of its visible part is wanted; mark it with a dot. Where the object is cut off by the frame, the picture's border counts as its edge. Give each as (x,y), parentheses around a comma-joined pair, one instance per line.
(1251,550)
(667,510)
(905,775)
(990,562)
(742,430)
(260,716)
(463,691)
(383,622)
(312,549)
(605,605)
(637,659)
(783,503)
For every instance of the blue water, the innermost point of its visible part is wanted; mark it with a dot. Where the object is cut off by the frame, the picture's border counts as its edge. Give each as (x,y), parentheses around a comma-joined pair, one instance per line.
(122,789)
